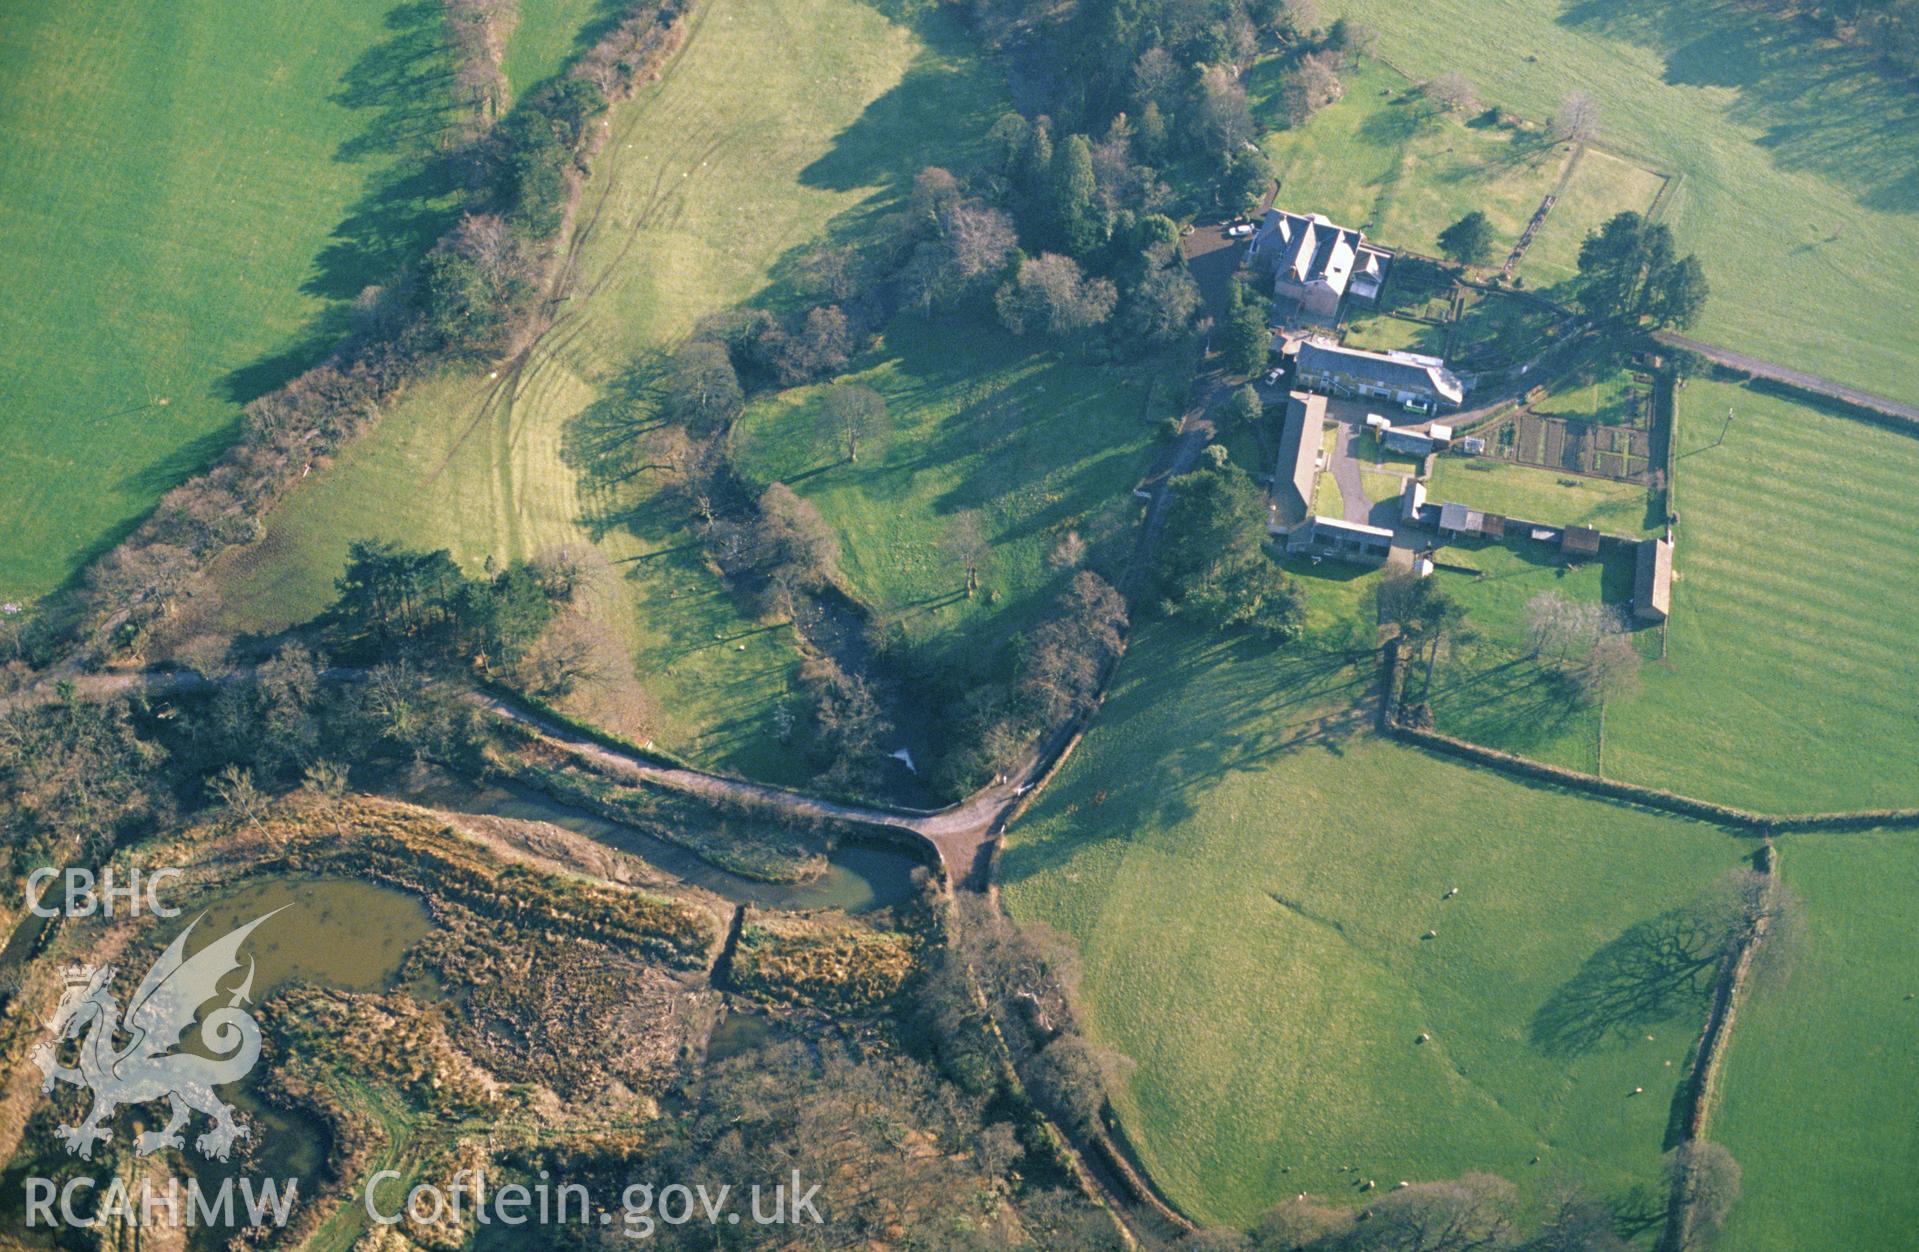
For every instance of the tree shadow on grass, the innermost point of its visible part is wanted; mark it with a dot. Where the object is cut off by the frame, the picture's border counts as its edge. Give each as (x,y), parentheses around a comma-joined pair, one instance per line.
(1657,970)
(1276,702)
(949,96)
(1818,106)
(401,87)
(609,443)
(1490,696)
(606,15)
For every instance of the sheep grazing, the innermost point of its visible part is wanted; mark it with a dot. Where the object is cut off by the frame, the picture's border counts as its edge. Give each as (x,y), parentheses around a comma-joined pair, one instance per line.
(1450,894)
(1639,1091)
(1431,934)
(1423,1037)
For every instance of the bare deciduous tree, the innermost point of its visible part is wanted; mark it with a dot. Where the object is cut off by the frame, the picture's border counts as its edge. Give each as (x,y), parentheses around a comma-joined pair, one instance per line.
(1451,92)
(792,532)
(852,415)
(701,387)
(243,801)
(1460,1215)
(1611,669)
(1313,84)
(1051,296)
(1705,1183)
(1069,552)
(966,544)
(1578,118)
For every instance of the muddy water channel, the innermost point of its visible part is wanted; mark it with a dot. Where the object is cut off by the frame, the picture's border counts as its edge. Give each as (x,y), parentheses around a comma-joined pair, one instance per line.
(860,876)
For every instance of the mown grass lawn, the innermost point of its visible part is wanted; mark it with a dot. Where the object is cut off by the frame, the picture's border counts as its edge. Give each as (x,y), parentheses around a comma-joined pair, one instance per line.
(1368,450)
(1382,332)
(1817,1101)
(1501,329)
(1039,445)
(707,181)
(1328,500)
(1542,495)
(1249,871)
(1798,161)
(1791,666)
(191,194)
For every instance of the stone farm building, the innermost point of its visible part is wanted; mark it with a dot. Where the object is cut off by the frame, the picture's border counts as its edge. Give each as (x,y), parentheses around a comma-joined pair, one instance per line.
(1290,510)
(1298,468)
(1402,377)
(1652,581)
(1317,263)
(1343,541)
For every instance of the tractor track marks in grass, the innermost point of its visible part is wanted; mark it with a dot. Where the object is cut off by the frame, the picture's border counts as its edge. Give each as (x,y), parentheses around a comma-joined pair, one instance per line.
(565,328)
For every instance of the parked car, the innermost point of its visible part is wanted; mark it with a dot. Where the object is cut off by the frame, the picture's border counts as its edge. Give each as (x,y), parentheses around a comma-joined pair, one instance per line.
(1240,231)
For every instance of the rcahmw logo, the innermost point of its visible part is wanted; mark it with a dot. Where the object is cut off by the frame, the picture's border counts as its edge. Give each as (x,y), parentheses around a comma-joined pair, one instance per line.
(149,1066)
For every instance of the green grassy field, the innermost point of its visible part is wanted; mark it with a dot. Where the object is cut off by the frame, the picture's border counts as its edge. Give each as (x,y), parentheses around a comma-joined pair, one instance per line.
(1382,332)
(1039,445)
(707,181)
(1798,162)
(1328,501)
(1816,1098)
(1787,652)
(1249,879)
(1791,665)
(1484,688)
(1382,160)
(1598,186)
(1381,486)
(191,194)
(1541,495)
(1367,450)
(548,33)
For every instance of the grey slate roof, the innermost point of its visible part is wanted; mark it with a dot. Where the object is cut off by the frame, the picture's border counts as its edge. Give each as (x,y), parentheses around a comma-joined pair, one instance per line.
(1298,457)
(1312,249)
(1401,371)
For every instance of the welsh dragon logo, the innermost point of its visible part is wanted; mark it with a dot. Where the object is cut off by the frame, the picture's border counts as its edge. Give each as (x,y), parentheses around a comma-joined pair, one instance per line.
(149,1066)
